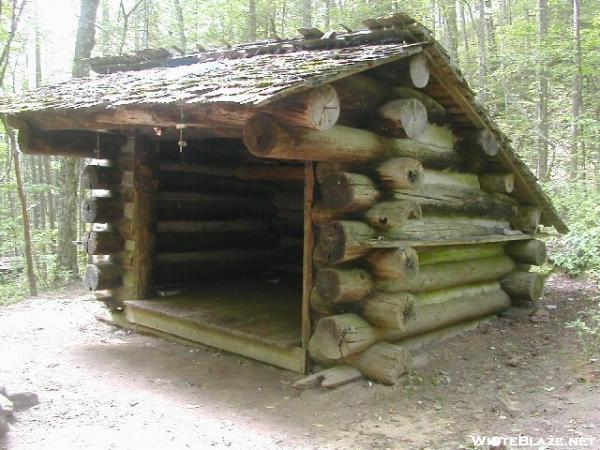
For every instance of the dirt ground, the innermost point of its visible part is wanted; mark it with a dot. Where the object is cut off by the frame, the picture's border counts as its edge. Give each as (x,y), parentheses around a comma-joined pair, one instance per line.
(103,388)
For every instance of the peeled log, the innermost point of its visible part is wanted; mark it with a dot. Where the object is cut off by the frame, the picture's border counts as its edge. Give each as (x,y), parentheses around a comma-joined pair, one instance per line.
(343,240)
(270,172)
(401,173)
(396,264)
(104,275)
(434,277)
(392,214)
(503,183)
(528,252)
(76,143)
(102,243)
(431,228)
(435,255)
(435,198)
(389,310)
(343,285)
(382,362)
(445,308)
(456,179)
(339,336)
(320,305)
(265,138)
(101,210)
(524,286)
(527,218)
(317,108)
(482,141)
(348,192)
(402,118)
(436,113)
(94,176)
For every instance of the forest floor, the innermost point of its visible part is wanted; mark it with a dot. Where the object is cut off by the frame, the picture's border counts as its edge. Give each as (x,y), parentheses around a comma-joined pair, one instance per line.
(103,388)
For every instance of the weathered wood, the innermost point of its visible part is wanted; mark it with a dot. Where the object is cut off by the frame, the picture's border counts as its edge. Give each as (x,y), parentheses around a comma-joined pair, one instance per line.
(326,169)
(528,286)
(102,242)
(436,113)
(174,206)
(401,118)
(178,178)
(529,252)
(434,277)
(145,187)
(414,72)
(389,310)
(527,218)
(360,92)
(76,143)
(444,308)
(339,336)
(401,173)
(184,226)
(320,305)
(317,108)
(95,176)
(101,276)
(349,192)
(382,362)
(392,214)
(265,138)
(307,251)
(342,241)
(397,264)
(442,228)
(440,178)
(101,209)
(422,243)
(270,172)
(343,285)
(321,214)
(456,199)
(504,183)
(438,137)
(329,378)
(215,240)
(481,140)
(435,255)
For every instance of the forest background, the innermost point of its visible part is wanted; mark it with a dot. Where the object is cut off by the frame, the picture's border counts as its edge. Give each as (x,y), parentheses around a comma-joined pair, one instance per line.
(533,64)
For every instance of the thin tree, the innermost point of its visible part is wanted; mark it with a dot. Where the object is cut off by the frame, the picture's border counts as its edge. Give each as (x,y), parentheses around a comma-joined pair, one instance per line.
(307,13)
(576,98)
(24,212)
(180,25)
(251,20)
(542,94)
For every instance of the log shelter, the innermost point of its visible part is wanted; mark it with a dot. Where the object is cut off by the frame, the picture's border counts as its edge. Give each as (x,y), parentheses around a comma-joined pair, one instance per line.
(326,199)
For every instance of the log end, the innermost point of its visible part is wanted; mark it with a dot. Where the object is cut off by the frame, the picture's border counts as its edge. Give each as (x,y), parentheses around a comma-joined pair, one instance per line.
(419,71)
(324,107)
(260,134)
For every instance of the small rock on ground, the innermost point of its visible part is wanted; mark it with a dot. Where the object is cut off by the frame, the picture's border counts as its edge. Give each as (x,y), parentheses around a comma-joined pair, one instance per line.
(24,400)
(6,406)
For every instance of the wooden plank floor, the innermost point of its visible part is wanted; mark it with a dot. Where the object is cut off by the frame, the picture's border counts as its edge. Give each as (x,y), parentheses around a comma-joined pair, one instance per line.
(252,317)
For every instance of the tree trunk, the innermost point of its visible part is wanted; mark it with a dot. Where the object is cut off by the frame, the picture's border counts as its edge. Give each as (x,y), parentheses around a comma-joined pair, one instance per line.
(251,20)
(24,212)
(70,167)
(576,99)
(307,13)
(542,100)
(180,25)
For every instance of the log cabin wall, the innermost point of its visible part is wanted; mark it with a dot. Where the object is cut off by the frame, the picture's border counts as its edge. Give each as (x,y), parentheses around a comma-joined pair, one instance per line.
(222,213)
(413,233)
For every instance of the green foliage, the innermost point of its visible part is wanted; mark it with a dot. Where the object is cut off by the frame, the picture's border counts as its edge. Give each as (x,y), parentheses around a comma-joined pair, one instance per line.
(578,252)
(587,326)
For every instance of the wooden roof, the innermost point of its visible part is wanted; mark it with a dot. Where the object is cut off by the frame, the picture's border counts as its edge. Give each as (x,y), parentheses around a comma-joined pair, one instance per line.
(260,73)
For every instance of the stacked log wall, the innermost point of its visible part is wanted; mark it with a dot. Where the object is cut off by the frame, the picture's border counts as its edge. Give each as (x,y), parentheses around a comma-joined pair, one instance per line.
(223,213)
(412,233)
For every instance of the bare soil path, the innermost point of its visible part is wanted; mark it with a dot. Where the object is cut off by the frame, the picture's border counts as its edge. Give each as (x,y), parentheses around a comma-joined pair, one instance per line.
(103,388)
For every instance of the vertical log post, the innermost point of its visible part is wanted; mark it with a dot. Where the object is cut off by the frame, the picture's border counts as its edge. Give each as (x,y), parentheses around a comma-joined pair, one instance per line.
(145,187)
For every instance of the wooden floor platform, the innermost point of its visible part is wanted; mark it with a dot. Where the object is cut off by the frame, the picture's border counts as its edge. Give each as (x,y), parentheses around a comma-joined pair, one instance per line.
(260,319)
